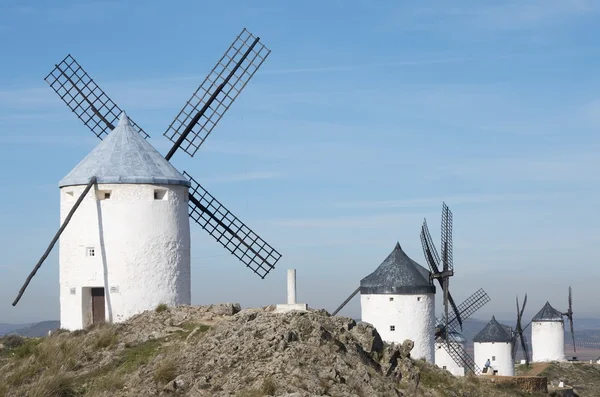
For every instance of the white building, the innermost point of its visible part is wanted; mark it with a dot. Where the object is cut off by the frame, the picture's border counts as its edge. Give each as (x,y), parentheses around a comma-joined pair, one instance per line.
(442,357)
(127,247)
(398,299)
(494,343)
(547,335)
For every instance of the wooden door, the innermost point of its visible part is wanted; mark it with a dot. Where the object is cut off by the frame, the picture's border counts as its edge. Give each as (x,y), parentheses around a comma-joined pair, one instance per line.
(98,313)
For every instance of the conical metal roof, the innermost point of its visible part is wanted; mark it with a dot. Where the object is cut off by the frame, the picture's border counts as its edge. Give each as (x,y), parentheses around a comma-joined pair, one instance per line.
(398,274)
(124,157)
(493,332)
(548,313)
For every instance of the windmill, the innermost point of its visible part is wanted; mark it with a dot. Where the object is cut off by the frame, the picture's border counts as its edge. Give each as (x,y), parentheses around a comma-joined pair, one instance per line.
(187,132)
(433,260)
(446,333)
(569,315)
(518,333)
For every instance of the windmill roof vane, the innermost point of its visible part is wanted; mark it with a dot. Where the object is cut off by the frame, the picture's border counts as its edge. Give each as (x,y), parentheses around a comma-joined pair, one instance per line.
(124,156)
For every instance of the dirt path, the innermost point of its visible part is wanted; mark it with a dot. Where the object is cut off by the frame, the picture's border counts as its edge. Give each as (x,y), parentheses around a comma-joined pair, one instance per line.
(536,369)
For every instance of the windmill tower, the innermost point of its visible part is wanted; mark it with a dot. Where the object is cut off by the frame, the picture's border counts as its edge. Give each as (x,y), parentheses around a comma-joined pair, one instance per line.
(494,342)
(547,335)
(130,236)
(398,299)
(147,251)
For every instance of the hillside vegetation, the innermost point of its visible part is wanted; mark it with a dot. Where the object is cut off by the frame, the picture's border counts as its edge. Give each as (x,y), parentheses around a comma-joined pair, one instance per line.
(220,350)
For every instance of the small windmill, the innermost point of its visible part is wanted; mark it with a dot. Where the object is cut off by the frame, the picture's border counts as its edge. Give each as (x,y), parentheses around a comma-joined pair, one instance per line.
(518,333)
(445,333)
(569,315)
(433,260)
(188,131)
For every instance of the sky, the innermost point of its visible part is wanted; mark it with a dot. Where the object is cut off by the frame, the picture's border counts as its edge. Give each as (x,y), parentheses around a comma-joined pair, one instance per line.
(364,118)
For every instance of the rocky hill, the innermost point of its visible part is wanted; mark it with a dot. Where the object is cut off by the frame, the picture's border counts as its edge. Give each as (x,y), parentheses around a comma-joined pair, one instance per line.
(220,350)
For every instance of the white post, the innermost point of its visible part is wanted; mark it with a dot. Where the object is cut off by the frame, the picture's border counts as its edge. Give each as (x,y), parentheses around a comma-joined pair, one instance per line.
(291,286)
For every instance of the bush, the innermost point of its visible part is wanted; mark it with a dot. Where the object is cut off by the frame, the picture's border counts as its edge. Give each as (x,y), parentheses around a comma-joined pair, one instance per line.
(12,341)
(165,371)
(162,308)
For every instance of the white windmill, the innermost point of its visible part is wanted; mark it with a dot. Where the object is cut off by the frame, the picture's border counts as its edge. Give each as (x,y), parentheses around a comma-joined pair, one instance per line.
(398,299)
(127,245)
(494,343)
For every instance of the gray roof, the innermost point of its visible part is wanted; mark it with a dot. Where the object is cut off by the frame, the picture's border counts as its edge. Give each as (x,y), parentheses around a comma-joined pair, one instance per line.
(398,274)
(124,156)
(548,313)
(493,332)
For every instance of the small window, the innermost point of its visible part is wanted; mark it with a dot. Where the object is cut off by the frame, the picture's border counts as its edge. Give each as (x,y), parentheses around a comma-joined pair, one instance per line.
(160,194)
(392,327)
(90,251)
(391,299)
(73,291)
(69,193)
(493,358)
(418,299)
(444,367)
(103,194)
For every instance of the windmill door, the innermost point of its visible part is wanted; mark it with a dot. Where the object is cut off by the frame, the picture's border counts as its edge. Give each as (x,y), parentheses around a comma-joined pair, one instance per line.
(98,305)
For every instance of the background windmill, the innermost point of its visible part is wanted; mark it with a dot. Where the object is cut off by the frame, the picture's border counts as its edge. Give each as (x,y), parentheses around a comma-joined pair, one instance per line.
(518,333)
(188,131)
(446,335)
(447,265)
(569,315)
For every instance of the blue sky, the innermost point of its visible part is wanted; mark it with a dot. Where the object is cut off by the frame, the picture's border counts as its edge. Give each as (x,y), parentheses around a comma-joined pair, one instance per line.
(360,123)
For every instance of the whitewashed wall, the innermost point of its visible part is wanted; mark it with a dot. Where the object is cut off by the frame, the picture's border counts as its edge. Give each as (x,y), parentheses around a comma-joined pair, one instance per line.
(412,316)
(142,251)
(547,341)
(500,355)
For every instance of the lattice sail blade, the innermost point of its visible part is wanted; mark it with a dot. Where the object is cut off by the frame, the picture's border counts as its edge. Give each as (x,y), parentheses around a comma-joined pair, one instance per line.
(459,355)
(217,92)
(446,248)
(470,306)
(83,96)
(429,250)
(230,232)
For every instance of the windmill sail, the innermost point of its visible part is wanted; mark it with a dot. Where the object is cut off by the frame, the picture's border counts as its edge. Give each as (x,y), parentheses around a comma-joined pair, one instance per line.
(217,92)
(83,96)
(229,231)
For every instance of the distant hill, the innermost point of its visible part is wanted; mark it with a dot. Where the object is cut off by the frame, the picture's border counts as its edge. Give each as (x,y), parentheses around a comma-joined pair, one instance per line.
(6,328)
(36,330)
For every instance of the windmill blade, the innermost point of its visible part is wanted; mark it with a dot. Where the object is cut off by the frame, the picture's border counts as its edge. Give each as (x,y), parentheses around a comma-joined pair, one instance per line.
(524,347)
(470,305)
(447,260)
(215,95)
(229,231)
(460,355)
(55,239)
(571,318)
(523,308)
(431,255)
(83,96)
(513,347)
(344,303)
(433,261)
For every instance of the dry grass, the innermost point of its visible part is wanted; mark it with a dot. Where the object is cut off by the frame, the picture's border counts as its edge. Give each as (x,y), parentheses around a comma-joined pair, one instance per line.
(54,385)
(165,371)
